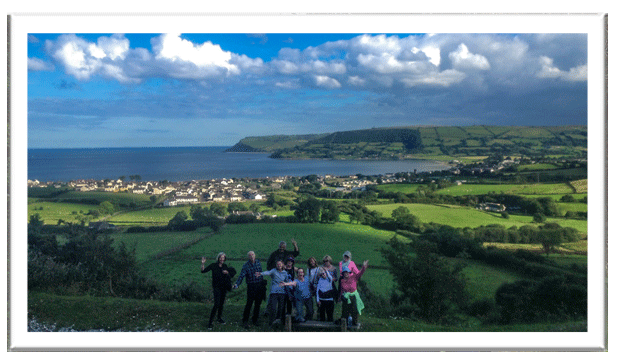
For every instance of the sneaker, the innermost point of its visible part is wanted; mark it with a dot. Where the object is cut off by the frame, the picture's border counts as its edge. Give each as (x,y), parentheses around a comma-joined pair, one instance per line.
(221,321)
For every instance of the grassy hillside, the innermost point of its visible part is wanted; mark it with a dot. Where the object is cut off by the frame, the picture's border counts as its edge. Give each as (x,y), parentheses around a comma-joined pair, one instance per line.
(273,142)
(428,142)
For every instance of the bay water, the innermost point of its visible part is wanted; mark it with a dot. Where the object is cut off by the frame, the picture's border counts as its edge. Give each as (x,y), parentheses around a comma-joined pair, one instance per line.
(196,163)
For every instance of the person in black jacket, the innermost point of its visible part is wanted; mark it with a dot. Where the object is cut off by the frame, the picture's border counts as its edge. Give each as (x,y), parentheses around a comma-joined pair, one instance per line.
(221,283)
(282,254)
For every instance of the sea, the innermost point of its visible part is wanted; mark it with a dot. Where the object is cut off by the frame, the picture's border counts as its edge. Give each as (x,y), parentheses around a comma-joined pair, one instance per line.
(177,164)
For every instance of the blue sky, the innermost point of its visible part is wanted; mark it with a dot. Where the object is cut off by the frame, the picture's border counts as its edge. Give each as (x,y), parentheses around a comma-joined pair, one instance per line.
(123,90)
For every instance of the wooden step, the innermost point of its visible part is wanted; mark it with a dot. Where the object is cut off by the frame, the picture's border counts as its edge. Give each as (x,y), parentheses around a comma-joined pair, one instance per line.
(318,325)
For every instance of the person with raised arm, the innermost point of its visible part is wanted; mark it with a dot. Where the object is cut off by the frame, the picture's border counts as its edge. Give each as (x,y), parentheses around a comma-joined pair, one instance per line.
(221,283)
(276,302)
(351,302)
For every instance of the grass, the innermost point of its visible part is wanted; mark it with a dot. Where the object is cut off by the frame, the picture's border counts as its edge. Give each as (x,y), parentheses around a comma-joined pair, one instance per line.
(148,217)
(483,281)
(148,245)
(236,240)
(516,189)
(86,313)
(455,216)
(54,211)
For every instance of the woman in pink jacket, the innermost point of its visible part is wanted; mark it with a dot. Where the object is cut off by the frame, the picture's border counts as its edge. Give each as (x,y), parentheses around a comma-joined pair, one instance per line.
(347,262)
(352,305)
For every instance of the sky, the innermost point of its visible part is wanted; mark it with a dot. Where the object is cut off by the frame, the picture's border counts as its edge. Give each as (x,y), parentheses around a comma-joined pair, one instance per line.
(174,90)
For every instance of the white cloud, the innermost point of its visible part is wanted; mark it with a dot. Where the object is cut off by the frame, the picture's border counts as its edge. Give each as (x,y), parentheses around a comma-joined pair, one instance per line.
(36,64)
(114,47)
(375,62)
(463,59)
(83,59)
(445,78)
(356,80)
(548,70)
(433,53)
(326,82)
(185,57)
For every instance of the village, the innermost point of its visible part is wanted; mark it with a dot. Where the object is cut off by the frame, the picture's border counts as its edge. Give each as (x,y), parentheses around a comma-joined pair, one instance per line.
(215,190)
(171,194)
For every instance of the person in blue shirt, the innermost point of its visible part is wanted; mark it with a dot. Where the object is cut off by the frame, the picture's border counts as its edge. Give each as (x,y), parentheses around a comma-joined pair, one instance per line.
(276,303)
(256,288)
(302,296)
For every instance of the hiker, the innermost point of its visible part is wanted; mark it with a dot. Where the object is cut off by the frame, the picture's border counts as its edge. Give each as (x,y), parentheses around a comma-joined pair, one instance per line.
(282,254)
(311,273)
(256,288)
(302,296)
(351,303)
(221,283)
(326,290)
(276,302)
(347,262)
(289,295)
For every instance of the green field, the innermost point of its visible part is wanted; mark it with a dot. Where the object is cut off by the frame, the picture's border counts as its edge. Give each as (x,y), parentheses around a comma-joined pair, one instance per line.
(461,217)
(54,211)
(148,217)
(537,189)
(313,240)
(148,245)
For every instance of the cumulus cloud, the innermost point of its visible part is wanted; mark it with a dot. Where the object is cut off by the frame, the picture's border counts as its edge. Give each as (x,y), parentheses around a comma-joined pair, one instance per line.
(463,59)
(326,82)
(83,59)
(548,70)
(371,62)
(188,60)
(36,64)
(171,56)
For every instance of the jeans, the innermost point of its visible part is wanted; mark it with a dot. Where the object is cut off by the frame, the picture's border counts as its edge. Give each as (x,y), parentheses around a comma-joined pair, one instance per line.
(301,304)
(276,306)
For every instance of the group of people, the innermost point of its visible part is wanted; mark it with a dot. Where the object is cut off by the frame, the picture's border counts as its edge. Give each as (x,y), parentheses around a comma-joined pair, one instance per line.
(292,287)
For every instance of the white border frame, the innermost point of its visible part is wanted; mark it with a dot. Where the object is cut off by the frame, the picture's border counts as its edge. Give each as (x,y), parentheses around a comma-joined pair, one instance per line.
(592,24)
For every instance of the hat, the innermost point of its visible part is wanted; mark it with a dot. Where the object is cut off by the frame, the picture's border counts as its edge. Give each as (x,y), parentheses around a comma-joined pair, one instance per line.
(345,269)
(291,259)
(347,253)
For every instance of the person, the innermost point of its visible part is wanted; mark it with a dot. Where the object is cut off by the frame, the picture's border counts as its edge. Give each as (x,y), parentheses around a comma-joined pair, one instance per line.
(282,254)
(325,295)
(221,283)
(311,273)
(352,305)
(289,296)
(276,301)
(327,265)
(302,297)
(255,291)
(347,262)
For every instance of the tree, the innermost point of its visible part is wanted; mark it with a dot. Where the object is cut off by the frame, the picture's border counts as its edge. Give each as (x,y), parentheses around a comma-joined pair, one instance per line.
(405,220)
(178,220)
(427,282)
(539,218)
(308,210)
(330,212)
(218,209)
(236,207)
(550,239)
(106,207)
